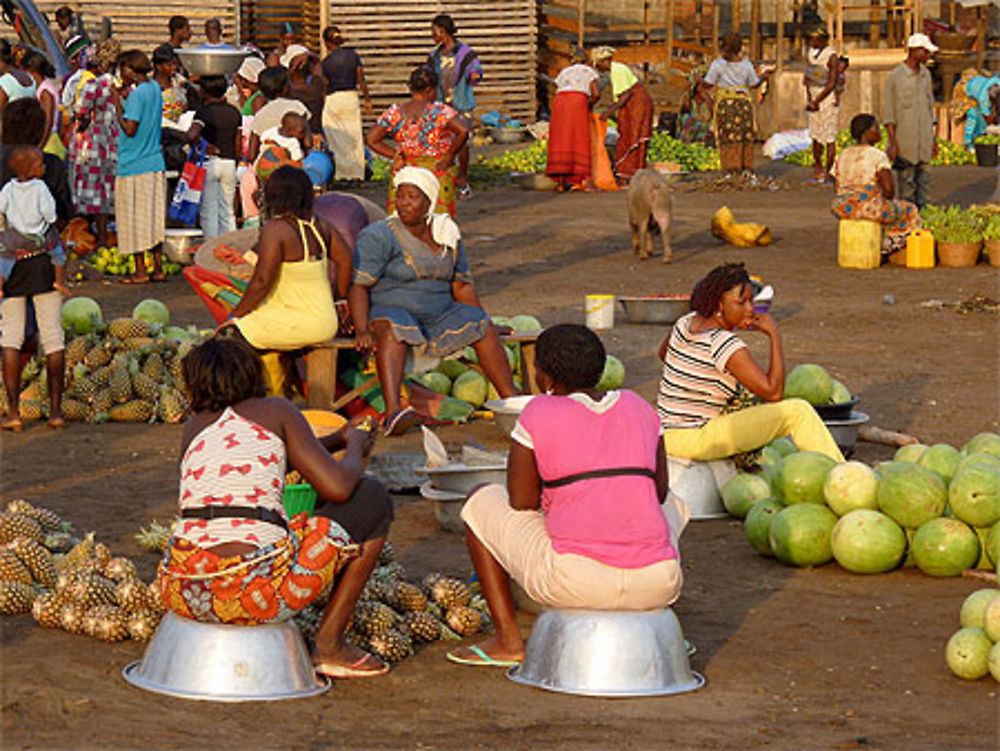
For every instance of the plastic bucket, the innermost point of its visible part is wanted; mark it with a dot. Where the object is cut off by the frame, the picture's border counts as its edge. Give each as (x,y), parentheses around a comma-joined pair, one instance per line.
(600,310)
(298,498)
(987,154)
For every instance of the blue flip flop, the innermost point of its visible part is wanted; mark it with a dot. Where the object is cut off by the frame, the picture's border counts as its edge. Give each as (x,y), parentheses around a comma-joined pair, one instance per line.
(481,659)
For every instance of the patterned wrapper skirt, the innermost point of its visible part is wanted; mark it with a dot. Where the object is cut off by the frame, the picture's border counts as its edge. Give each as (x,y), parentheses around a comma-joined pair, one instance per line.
(269,585)
(733,121)
(898,217)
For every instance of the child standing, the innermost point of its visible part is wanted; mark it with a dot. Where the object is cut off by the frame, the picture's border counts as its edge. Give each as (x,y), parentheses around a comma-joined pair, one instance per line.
(32,265)
(218,122)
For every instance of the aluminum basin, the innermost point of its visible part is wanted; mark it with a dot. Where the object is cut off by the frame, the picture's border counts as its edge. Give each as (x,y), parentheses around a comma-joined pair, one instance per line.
(845,432)
(447,507)
(610,654)
(462,478)
(655,308)
(212,62)
(214,662)
(506,411)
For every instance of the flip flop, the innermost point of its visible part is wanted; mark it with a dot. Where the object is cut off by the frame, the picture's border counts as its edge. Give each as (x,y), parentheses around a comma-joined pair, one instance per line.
(133,280)
(354,670)
(14,426)
(401,422)
(481,659)
(57,423)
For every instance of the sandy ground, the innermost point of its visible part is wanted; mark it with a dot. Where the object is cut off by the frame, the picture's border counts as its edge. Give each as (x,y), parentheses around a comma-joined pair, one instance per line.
(795,659)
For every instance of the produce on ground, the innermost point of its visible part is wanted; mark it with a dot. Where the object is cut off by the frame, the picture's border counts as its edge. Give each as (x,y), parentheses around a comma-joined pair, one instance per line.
(949,154)
(972,651)
(110,261)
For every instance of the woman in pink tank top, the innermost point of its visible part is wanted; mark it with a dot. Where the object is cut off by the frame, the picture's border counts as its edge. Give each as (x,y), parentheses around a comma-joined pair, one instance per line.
(582,521)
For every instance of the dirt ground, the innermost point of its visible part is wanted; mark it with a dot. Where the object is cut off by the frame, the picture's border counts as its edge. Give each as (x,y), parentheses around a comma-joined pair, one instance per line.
(795,659)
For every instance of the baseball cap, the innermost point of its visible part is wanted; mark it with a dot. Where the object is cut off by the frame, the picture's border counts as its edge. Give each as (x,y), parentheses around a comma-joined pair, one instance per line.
(921,40)
(250,69)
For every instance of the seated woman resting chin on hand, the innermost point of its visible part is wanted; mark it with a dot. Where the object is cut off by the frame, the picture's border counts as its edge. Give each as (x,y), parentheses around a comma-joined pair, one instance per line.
(585,520)
(413,287)
(704,366)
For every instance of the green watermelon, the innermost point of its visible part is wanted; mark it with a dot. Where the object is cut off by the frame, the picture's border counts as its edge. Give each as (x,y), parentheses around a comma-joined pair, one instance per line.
(800,534)
(974,495)
(81,315)
(910,453)
(911,494)
(980,457)
(784,445)
(993,662)
(613,376)
(850,486)
(967,653)
(973,611)
(840,393)
(991,620)
(868,542)
(523,323)
(502,321)
(993,544)
(809,382)
(470,387)
(986,442)
(758,525)
(742,491)
(452,368)
(433,380)
(945,547)
(152,311)
(940,458)
(799,477)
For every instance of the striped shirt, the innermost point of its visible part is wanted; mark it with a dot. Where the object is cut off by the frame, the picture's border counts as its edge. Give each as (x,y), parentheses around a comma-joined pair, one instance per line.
(695,385)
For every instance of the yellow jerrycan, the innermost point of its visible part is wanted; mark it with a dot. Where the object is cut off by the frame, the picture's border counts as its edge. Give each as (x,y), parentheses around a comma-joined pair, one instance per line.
(920,250)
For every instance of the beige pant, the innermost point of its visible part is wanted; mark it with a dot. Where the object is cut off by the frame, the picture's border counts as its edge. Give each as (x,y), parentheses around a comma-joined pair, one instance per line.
(521,543)
(342,129)
(48,311)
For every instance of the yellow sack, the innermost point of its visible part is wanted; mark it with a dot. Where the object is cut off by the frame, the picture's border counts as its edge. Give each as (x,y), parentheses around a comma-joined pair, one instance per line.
(742,235)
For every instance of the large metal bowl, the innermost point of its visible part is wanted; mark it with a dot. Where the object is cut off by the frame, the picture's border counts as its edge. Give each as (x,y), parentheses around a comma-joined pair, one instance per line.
(462,478)
(180,243)
(508,134)
(656,308)
(212,62)
(506,411)
(214,662)
(695,484)
(845,431)
(447,507)
(610,654)
(840,411)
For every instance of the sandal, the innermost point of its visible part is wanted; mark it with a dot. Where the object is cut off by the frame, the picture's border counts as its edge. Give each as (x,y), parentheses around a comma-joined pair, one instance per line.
(57,423)
(134,280)
(14,425)
(354,670)
(161,277)
(478,657)
(401,422)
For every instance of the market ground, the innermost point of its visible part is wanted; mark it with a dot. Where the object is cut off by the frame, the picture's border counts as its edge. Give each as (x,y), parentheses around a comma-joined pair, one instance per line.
(811,659)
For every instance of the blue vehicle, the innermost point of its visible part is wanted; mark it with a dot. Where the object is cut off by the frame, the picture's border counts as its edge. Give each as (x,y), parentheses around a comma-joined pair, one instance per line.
(32,28)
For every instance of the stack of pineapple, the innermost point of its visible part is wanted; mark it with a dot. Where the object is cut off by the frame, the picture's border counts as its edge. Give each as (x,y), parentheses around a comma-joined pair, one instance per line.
(393,615)
(75,585)
(125,371)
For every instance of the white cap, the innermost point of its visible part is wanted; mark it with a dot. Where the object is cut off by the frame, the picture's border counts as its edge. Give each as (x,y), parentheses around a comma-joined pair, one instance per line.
(293,51)
(250,69)
(921,40)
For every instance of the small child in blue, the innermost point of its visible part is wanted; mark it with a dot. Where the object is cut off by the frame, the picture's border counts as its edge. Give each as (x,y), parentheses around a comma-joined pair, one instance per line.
(30,211)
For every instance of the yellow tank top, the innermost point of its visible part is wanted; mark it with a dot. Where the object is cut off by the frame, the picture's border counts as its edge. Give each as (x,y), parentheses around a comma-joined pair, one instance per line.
(299,309)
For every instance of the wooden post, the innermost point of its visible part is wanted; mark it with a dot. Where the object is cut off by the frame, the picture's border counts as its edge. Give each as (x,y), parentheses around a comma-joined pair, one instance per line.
(840,27)
(755,40)
(980,37)
(716,13)
(737,11)
(873,18)
(920,15)
(670,33)
(779,16)
(324,21)
(581,18)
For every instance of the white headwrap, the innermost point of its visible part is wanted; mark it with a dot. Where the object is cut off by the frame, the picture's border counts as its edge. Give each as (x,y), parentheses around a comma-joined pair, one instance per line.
(293,51)
(443,228)
(602,53)
(250,69)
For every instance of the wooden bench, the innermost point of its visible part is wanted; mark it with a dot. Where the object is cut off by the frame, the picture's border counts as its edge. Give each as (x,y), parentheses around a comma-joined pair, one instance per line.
(321,369)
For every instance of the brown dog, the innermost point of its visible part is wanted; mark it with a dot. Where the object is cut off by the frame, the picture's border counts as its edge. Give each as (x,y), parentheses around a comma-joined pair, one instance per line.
(649,207)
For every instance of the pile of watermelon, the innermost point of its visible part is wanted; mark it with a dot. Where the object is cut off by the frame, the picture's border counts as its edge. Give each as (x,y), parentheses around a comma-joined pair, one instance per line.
(974,650)
(933,507)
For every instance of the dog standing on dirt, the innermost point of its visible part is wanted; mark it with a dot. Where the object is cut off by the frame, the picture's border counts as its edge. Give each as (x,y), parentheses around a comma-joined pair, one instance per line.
(649,208)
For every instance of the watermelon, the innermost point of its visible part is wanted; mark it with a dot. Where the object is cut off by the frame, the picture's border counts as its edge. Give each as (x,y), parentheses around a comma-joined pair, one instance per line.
(911,494)
(940,458)
(81,315)
(868,542)
(967,653)
(470,387)
(758,525)
(850,486)
(152,311)
(503,321)
(840,393)
(993,662)
(986,442)
(799,477)
(452,368)
(991,620)
(945,547)
(742,491)
(809,382)
(434,381)
(973,611)
(910,453)
(784,445)
(800,534)
(993,544)
(974,495)
(525,323)
(980,457)
(613,376)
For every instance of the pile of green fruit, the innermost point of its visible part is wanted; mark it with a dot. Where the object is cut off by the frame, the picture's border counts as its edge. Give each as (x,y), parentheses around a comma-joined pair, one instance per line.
(126,370)
(953,224)
(990,139)
(949,154)
(111,261)
(692,157)
(974,650)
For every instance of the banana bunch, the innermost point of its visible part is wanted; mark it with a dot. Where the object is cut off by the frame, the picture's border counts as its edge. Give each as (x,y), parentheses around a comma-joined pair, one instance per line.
(742,235)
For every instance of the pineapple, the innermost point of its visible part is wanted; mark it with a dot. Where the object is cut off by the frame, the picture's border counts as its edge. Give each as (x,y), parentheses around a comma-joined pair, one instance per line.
(408,597)
(464,620)
(45,610)
(120,385)
(102,556)
(177,370)
(154,368)
(58,542)
(132,595)
(90,590)
(84,389)
(76,350)
(134,410)
(37,559)
(16,597)
(139,343)
(127,328)
(450,593)
(423,626)
(428,582)
(378,591)
(79,553)
(71,617)
(391,572)
(106,623)
(144,386)
(155,537)
(373,618)
(31,410)
(102,401)
(120,569)
(98,356)
(50,520)
(154,597)
(386,555)
(359,640)
(77,411)
(391,646)
(102,376)
(173,405)
(142,625)
(13,526)
(12,569)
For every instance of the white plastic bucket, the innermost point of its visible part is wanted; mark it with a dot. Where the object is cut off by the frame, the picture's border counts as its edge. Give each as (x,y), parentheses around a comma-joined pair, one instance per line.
(600,311)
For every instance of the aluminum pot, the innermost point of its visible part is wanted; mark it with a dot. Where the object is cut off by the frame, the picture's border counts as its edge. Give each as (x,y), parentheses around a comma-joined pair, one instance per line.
(215,662)
(462,478)
(179,244)
(656,308)
(845,431)
(447,507)
(608,653)
(212,62)
(506,411)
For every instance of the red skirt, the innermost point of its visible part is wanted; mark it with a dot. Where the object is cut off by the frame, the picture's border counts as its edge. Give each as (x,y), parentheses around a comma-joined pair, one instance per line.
(569,138)
(635,127)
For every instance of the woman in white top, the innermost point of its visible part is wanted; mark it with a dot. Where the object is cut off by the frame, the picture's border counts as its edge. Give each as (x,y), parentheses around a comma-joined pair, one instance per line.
(821,102)
(569,126)
(730,79)
(14,82)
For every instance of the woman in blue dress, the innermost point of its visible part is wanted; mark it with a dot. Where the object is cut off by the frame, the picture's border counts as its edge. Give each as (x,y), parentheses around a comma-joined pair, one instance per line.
(413,288)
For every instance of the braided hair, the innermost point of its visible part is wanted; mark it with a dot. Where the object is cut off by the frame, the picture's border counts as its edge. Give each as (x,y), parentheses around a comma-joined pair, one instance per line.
(709,290)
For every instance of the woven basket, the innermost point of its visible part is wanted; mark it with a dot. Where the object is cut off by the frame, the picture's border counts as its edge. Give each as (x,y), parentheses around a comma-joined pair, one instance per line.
(993,251)
(958,254)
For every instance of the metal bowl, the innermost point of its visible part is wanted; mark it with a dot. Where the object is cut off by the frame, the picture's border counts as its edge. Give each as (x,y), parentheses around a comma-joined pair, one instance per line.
(840,411)
(447,507)
(656,308)
(462,478)
(610,654)
(508,134)
(212,62)
(214,662)
(506,411)
(180,244)
(845,432)
(533,181)
(695,484)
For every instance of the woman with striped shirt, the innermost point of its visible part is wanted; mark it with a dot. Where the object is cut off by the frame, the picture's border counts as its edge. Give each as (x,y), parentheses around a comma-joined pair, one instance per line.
(704,365)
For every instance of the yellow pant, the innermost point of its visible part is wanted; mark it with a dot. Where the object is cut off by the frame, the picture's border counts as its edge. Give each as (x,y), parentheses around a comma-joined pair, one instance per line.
(751,428)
